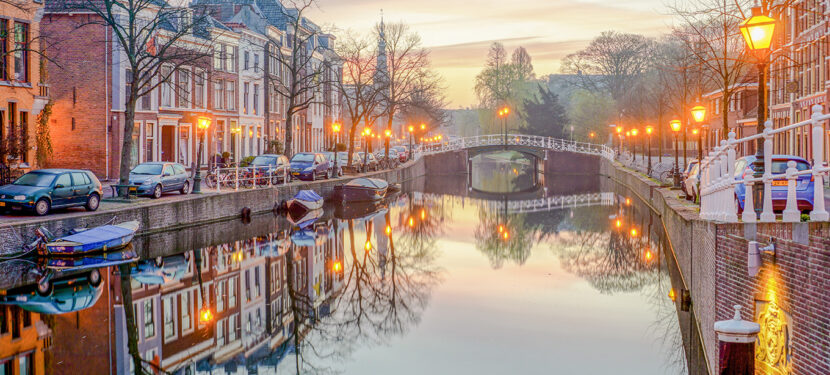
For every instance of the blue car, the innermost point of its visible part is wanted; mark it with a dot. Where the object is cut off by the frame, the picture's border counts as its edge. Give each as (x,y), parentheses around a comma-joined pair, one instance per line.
(45,189)
(310,166)
(804,183)
(155,178)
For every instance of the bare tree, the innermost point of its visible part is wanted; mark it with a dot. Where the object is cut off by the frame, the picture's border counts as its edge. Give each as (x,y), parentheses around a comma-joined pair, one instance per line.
(301,63)
(361,97)
(154,40)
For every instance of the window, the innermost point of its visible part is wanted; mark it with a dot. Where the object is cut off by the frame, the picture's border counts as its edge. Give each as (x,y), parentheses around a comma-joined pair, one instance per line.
(4,42)
(248,324)
(232,328)
(169,323)
(220,332)
(149,319)
(166,87)
(256,62)
(230,87)
(199,94)
(232,62)
(232,292)
(80,179)
(220,138)
(184,144)
(186,316)
(247,285)
(128,86)
(218,95)
(24,363)
(4,322)
(15,315)
(149,141)
(6,367)
(218,59)
(183,89)
(256,98)
(257,286)
(245,92)
(21,53)
(245,60)
(220,295)
(64,180)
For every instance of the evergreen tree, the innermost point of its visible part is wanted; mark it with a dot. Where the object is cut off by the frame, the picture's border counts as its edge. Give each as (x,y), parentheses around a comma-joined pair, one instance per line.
(544,115)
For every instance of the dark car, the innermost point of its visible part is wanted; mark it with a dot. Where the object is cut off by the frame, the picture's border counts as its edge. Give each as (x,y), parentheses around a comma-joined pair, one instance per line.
(62,295)
(343,160)
(276,166)
(46,189)
(309,166)
(403,156)
(371,164)
(155,178)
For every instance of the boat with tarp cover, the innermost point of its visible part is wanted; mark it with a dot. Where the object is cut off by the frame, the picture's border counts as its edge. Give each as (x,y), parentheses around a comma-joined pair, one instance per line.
(304,201)
(103,238)
(362,190)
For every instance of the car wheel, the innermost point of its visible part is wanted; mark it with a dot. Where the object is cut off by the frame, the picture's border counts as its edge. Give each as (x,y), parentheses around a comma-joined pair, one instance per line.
(95,278)
(93,202)
(44,288)
(42,207)
(157,192)
(186,188)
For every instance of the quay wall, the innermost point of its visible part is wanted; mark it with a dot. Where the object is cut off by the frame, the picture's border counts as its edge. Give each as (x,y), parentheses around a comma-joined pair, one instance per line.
(195,209)
(788,296)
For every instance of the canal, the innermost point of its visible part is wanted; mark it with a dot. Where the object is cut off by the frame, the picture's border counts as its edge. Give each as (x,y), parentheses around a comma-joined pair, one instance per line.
(514,273)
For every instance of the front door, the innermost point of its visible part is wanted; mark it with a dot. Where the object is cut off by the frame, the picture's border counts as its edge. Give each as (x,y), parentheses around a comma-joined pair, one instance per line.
(168,143)
(63,192)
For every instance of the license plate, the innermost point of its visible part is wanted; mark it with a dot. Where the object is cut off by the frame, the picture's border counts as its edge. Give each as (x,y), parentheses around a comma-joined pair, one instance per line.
(295,173)
(780,183)
(2,204)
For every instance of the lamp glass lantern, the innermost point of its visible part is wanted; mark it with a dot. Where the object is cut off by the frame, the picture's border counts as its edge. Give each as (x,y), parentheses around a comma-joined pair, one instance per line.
(758,30)
(675,125)
(699,113)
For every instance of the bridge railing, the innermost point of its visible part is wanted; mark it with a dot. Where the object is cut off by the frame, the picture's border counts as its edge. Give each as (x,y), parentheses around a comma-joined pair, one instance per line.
(719,198)
(536,141)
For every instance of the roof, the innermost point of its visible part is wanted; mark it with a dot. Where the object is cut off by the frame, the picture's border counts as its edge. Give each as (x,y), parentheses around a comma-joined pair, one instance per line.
(68,6)
(276,14)
(251,17)
(56,170)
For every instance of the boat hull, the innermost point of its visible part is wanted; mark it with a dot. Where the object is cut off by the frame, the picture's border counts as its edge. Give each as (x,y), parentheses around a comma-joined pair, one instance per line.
(105,238)
(360,194)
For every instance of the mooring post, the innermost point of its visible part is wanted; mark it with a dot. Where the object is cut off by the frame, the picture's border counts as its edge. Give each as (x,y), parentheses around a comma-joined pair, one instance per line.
(736,345)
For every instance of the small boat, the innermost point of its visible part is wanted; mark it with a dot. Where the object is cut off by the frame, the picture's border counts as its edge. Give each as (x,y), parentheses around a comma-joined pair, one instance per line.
(359,210)
(362,190)
(305,219)
(305,200)
(103,238)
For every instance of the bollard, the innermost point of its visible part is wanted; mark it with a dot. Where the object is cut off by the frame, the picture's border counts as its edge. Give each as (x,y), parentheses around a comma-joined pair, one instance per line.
(791,212)
(819,212)
(767,215)
(736,345)
(749,215)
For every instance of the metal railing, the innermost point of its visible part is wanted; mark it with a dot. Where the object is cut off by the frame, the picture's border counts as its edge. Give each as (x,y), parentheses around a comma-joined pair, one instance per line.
(235,178)
(548,143)
(555,203)
(718,181)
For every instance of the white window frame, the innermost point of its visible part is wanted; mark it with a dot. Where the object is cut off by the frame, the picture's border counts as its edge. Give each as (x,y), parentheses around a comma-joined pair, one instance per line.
(165,301)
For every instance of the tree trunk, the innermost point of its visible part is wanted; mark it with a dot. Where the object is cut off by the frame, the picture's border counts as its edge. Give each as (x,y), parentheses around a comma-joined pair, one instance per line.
(289,134)
(127,145)
(351,142)
(132,329)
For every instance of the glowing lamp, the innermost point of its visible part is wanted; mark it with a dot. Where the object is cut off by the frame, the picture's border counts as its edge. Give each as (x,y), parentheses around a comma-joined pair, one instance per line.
(672,295)
(423,214)
(335,127)
(411,222)
(649,255)
(675,125)
(619,130)
(758,30)
(649,129)
(204,123)
(205,315)
(592,134)
(699,113)
(388,230)
(634,232)
(423,126)
(695,131)
(501,228)
(627,201)
(388,133)
(505,235)
(634,132)
(336,267)
(618,224)
(411,128)
(368,245)
(628,133)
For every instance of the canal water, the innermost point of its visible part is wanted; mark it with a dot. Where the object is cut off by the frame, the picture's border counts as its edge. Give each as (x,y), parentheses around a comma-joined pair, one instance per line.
(443,278)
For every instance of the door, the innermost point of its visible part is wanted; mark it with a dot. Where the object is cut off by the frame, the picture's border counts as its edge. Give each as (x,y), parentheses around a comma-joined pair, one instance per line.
(63,192)
(168,143)
(168,178)
(81,187)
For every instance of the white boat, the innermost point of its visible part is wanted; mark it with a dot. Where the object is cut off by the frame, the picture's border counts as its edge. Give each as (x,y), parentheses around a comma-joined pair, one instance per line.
(305,200)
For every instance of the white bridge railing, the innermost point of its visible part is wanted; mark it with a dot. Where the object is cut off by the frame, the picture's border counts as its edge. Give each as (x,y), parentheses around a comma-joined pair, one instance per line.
(554,203)
(536,141)
(717,185)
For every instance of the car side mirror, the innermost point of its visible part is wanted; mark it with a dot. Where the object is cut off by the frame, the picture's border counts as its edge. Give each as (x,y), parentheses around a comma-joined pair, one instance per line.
(167,174)
(59,186)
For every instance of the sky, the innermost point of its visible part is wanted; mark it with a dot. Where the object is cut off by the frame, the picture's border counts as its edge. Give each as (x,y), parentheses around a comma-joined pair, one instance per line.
(458,33)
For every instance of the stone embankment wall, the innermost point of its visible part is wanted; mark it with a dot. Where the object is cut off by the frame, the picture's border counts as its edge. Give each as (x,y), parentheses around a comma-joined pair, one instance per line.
(182,212)
(788,296)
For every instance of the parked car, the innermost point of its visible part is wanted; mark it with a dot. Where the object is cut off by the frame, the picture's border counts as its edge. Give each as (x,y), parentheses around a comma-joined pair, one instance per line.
(688,179)
(309,166)
(47,189)
(60,295)
(155,178)
(334,170)
(343,157)
(803,189)
(276,166)
(371,164)
(403,155)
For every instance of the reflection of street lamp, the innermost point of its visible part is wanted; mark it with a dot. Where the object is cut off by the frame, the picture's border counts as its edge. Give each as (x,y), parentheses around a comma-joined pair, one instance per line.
(204,124)
(675,128)
(758,32)
(649,130)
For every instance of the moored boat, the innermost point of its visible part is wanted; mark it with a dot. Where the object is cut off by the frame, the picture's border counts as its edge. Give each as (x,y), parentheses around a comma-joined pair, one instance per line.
(103,238)
(303,201)
(362,190)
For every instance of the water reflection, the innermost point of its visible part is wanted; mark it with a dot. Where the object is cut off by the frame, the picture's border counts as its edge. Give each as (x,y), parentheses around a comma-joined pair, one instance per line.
(372,289)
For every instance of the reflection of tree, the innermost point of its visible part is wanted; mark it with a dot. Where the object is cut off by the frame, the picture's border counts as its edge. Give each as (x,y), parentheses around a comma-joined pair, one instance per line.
(503,237)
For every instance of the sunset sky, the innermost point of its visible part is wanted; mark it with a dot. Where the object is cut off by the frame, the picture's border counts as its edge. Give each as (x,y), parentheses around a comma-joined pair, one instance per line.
(459,32)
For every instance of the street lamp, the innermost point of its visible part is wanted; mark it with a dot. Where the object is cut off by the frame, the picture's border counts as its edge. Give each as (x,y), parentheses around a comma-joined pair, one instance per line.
(503,115)
(649,130)
(699,115)
(367,133)
(335,130)
(619,135)
(675,128)
(758,32)
(634,133)
(204,125)
(411,130)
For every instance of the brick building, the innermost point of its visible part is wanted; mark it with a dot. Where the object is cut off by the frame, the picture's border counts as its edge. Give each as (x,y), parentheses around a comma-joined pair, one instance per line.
(23,94)
(798,73)
(742,114)
(23,338)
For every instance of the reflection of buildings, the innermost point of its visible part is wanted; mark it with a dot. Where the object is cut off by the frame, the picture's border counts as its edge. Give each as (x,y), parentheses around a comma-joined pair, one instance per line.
(23,338)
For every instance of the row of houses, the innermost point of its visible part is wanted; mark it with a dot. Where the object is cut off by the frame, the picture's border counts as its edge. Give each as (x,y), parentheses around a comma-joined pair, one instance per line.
(797,80)
(232,86)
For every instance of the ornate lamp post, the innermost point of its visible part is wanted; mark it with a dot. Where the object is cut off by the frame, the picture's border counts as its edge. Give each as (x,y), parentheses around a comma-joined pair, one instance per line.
(699,115)
(758,31)
(503,115)
(335,131)
(204,125)
(411,130)
(649,130)
(619,135)
(634,133)
(675,128)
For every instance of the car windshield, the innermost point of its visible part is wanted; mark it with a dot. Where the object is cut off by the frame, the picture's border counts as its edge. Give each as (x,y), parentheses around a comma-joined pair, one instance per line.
(779,166)
(303,158)
(264,160)
(35,179)
(153,169)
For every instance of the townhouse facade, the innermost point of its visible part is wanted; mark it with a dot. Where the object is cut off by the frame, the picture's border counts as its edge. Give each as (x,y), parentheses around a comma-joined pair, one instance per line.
(798,73)
(741,113)
(24,339)
(23,91)
(227,87)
